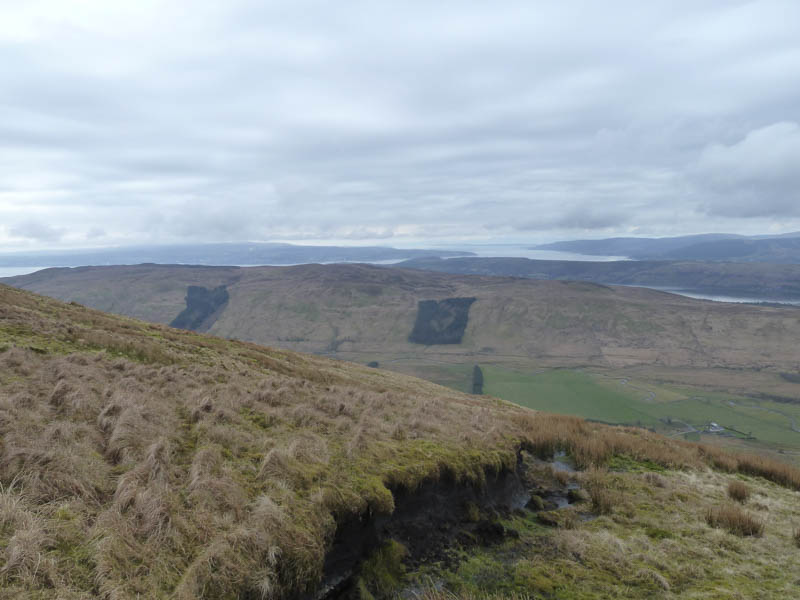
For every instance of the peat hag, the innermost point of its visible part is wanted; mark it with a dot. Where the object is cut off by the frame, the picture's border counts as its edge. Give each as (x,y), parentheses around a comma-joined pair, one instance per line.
(432,521)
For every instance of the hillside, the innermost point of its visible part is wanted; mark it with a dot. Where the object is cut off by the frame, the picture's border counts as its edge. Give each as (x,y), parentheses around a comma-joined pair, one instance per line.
(744,280)
(771,250)
(361,310)
(139,461)
(712,247)
(632,246)
(222,466)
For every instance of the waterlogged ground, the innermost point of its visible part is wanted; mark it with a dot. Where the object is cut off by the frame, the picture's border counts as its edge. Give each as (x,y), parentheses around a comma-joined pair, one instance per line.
(650,539)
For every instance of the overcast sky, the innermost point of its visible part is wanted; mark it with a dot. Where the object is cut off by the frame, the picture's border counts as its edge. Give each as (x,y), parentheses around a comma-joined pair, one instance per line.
(401,123)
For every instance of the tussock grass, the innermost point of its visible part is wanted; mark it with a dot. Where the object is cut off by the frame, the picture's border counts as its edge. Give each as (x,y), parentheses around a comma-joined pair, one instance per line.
(603,497)
(593,445)
(738,491)
(221,469)
(603,500)
(735,520)
(140,461)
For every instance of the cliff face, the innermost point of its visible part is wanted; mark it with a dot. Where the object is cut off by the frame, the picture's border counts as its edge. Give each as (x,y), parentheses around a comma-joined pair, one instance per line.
(203,307)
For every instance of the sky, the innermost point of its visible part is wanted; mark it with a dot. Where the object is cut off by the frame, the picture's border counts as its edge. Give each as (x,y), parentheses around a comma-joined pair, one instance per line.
(398,123)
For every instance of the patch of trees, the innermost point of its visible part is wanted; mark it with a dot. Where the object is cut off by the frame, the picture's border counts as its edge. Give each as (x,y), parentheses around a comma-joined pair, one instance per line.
(202,308)
(477,380)
(441,321)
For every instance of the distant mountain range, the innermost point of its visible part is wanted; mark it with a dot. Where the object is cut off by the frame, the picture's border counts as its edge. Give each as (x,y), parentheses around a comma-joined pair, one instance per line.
(218,254)
(783,248)
(747,280)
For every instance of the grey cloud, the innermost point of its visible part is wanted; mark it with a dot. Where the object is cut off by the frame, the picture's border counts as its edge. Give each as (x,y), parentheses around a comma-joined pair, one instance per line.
(589,219)
(95,233)
(756,176)
(586,218)
(411,120)
(36,231)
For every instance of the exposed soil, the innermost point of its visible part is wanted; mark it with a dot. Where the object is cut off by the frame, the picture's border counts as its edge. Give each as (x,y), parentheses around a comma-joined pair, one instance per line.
(439,517)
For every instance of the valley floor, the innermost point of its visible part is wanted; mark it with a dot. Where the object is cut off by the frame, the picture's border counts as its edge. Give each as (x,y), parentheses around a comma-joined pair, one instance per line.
(754,410)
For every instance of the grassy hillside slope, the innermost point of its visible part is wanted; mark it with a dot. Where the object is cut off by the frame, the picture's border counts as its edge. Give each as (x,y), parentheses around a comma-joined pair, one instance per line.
(138,461)
(746,280)
(358,309)
(783,248)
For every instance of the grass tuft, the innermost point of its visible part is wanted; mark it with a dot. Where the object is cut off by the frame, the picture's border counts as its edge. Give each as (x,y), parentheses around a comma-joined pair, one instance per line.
(381,573)
(738,491)
(735,520)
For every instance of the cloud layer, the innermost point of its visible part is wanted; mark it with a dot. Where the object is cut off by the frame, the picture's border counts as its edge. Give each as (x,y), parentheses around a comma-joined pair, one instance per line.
(169,121)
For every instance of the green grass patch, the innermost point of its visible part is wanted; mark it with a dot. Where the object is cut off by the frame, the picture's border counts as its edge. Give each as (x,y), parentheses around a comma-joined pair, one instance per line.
(626,463)
(382,573)
(567,392)
(656,533)
(593,396)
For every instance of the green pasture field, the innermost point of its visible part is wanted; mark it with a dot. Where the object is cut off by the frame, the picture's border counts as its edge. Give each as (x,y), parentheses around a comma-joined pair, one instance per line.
(608,399)
(611,397)
(568,392)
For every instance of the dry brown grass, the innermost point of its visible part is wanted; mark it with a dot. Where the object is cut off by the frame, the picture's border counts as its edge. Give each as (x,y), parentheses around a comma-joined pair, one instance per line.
(761,466)
(738,491)
(604,499)
(655,480)
(562,477)
(220,469)
(735,520)
(592,445)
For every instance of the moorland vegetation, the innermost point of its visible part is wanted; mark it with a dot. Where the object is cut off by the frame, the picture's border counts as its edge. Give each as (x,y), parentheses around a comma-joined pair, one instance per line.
(143,461)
